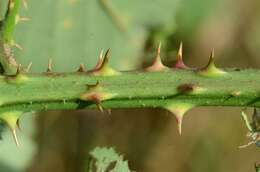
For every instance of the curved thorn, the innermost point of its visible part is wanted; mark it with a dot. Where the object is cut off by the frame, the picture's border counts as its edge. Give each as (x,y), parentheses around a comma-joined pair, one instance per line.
(103,68)
(106,59)
(211,58)
(210,69)
(99,62)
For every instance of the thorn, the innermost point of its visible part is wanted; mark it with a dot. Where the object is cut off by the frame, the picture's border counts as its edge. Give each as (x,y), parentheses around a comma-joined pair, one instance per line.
(102,62)
(100,59)
(180,51)
(21,19)
(179,60)
(49,68)
(25,4)
(28,67)
(246,121)
(234,94)
(157,64)
(179,110)
(10,119)
(18,46)
(246,145)
(94,96)
(211,58)
(109,111)
(100,108)
(102,68)
(10,4)
(13,43)
(106,59)
(18,70)
(159,48)
(179,120)
(210,69)
(95,93)
(15,138)
(81,68)
(99,62)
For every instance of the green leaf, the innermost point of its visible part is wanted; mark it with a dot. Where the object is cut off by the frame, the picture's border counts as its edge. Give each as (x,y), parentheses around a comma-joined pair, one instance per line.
(74,31)
(105,158)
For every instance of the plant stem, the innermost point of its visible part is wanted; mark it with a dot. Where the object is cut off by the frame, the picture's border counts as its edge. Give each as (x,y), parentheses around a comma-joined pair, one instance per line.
(28,92)
(9,22)
(7,26)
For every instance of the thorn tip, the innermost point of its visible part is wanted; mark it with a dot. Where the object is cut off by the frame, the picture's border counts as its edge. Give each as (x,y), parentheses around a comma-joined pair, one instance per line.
(179,64)
(157,64)
(15,138)
(29,67)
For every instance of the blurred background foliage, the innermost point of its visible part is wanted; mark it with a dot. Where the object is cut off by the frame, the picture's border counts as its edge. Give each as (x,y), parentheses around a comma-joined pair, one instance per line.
(74,31)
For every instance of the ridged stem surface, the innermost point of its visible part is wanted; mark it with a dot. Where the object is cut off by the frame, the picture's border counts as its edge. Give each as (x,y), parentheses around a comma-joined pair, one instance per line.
(49,91)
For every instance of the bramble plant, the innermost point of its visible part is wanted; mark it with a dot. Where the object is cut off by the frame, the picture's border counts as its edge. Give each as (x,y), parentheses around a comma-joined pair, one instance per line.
(177,88)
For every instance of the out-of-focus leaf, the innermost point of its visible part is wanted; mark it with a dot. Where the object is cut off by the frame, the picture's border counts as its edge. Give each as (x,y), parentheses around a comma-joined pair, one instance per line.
(192,12)
(106,159)
(13,158)
(1,129)
(2,8)
(74,31)
(257,168)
